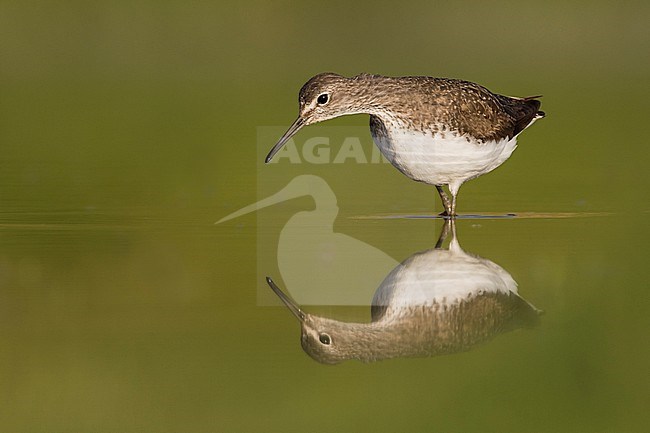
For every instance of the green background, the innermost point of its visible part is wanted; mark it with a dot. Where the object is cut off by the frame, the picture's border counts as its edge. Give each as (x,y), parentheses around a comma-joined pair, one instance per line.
(128,128)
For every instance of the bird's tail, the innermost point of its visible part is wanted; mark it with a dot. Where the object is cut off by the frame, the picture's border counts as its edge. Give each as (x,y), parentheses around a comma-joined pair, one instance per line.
(539,114)
(525,111)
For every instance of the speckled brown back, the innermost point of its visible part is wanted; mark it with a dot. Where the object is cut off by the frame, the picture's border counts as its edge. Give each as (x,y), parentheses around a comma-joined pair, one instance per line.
(427,104)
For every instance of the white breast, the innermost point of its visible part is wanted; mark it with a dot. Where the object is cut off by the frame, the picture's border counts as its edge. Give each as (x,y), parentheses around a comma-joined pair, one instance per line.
(442,158)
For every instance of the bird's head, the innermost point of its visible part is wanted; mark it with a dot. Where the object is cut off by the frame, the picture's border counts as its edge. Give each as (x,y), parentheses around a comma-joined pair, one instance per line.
(325,96)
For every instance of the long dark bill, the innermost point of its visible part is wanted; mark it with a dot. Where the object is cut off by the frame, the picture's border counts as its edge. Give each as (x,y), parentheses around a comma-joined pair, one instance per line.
(295,127)
(286,300)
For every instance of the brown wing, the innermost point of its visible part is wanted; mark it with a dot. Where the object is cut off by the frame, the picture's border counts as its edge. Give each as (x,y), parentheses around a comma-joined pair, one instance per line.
(473,110)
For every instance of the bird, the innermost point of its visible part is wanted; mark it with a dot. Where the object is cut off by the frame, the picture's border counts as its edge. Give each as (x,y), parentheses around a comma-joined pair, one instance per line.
(439,301)
(439,131)
(312,258)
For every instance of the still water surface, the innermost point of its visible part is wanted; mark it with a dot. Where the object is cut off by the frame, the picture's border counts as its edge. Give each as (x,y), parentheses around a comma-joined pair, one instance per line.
(119,317)
(127,129)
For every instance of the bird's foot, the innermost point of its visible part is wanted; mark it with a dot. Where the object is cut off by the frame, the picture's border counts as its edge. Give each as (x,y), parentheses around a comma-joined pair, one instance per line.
(447,215)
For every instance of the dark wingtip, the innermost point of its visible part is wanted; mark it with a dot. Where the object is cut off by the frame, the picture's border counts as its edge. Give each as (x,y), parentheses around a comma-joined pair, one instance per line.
(269,281)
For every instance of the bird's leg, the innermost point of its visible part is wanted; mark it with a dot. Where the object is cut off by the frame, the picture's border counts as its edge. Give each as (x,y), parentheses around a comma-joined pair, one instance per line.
(453,205)
(444,232)
(445,201)
(453,230)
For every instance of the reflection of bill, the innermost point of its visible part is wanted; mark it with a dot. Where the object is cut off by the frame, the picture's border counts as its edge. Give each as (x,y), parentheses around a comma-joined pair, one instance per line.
(319,266)
(436,302)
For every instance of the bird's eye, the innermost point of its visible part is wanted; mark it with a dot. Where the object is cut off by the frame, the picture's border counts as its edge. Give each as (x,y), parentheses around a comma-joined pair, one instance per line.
(323,98)
(325,339)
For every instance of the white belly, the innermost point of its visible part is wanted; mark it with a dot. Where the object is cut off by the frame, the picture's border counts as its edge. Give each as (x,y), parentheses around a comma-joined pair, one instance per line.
(439,159)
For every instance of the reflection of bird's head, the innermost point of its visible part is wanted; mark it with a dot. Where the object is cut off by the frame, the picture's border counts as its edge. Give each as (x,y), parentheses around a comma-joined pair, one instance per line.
(331,341)
(326,340)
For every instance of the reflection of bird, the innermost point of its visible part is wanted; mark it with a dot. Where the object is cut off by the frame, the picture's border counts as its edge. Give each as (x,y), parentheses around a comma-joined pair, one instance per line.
(318,265)
(434,130)
(436,302)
